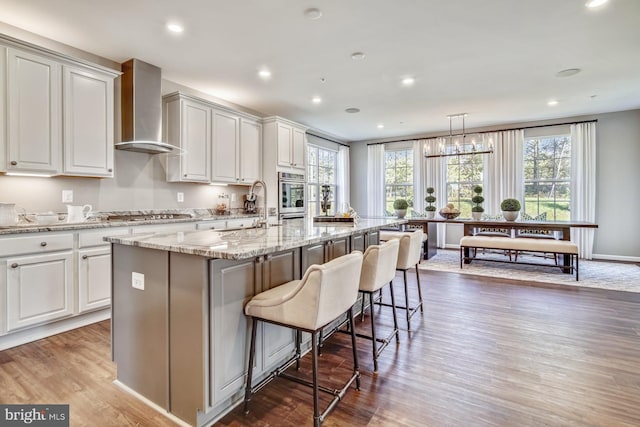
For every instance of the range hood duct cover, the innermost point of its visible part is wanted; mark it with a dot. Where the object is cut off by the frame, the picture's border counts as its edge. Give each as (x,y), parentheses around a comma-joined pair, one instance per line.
(142,109)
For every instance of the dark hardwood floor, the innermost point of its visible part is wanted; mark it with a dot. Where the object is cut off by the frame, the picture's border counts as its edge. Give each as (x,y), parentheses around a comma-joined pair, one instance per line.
(486,352)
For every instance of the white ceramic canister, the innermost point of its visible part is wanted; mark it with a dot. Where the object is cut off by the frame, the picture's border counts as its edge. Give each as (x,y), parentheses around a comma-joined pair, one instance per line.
(8,216)
(78,213)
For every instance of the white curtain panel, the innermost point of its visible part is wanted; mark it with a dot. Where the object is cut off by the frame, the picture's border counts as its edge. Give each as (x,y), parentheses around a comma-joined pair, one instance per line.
(583,184)
(375,180)
(435,176)
(504,169)
(342,177)
(418,175)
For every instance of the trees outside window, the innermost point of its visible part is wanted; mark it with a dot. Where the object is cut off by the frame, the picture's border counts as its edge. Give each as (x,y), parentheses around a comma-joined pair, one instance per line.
(463,173)
(321,169)
(398,169)
(547,177)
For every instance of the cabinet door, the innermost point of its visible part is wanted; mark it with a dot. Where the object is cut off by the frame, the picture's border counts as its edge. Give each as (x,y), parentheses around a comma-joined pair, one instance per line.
(338,247)
(312,254)
(233,284)
(278,341)
(94,278)
(359,242)
(3,103)
(196,141)
(225,147)
(39,288)
(34,113)
(250,153)
(285,136)
(298,144)
(88,123)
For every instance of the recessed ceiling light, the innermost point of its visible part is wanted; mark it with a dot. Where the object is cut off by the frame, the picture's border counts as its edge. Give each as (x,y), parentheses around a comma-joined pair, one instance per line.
(175,27)
(380,126)
(316,100)
(265,74)
(352,110)
(408,81)
(313,13)
(552,103)
(568,72)
(595,3)
(357,56)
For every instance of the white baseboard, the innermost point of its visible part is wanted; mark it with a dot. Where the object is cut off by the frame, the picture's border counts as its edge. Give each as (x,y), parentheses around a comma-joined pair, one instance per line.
(624,258)
(13,339)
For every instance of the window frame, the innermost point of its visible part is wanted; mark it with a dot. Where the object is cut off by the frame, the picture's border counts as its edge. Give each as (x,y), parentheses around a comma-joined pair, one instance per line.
(317,185)
(409,185)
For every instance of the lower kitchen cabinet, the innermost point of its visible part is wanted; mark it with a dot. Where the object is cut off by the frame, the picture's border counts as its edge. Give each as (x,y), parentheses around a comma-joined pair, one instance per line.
(94,278)
(39,288)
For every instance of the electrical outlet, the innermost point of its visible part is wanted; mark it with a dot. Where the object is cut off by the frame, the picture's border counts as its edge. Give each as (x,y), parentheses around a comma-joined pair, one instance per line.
(233,197)
(67,196)
(180,197)
(137,280)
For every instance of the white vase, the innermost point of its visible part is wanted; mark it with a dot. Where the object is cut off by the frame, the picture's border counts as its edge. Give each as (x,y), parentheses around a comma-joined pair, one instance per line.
(400,213)
(510,215)
(430,214)
(476,215)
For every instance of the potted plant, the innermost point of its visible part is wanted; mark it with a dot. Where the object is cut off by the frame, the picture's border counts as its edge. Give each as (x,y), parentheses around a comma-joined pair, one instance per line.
(430,210)
(400,205)
(510,209)
(476,211)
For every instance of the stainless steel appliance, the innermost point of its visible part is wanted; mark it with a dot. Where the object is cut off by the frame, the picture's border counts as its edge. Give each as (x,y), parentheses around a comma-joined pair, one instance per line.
(291,195)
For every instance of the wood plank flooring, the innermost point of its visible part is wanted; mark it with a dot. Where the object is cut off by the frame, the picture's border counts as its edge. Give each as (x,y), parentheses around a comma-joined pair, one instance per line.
(486,352)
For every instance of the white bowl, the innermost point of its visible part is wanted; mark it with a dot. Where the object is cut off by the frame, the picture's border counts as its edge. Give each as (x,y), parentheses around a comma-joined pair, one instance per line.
(47,218)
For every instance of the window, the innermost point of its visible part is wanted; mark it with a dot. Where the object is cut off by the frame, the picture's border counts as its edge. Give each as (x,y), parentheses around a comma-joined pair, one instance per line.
(547,176)
(398,172)
(321,170)
(463,173)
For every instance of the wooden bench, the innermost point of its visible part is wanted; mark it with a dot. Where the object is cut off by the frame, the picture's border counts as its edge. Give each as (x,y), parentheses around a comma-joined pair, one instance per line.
(556,247)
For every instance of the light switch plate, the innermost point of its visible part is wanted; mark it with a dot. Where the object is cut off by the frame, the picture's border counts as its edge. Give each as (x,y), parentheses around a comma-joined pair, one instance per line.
(67,196)
(137,280)
(233,197)
(180,197)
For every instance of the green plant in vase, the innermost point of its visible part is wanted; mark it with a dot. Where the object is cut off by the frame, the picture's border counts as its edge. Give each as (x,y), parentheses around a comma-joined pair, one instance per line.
(430,210)
(510,209)
(400,206)
(477,209)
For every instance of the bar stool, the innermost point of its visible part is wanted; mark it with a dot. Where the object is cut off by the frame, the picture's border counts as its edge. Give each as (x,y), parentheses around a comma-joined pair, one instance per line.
(378,270)
(408,257)
(324,293)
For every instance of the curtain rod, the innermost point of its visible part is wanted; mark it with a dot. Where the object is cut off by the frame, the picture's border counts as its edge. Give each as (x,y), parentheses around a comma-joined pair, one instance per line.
(487,131)
(327,139)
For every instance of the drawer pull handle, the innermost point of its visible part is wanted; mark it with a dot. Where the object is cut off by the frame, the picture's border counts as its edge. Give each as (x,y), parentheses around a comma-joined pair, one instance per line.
(13,163)
(109,170)
(85,256)
(14,265)
(43,244)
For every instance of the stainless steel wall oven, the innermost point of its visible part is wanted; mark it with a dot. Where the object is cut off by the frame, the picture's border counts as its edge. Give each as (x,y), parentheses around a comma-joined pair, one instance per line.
(291,195)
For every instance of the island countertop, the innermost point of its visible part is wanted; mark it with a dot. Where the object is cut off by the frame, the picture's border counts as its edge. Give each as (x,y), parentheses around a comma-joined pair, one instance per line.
(247,243)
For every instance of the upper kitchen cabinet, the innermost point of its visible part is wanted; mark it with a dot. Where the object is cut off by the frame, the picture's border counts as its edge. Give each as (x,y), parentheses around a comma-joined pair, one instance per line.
(187,124)
(88,123)
(34,113)
(289,139)
(237,148)
(59,117)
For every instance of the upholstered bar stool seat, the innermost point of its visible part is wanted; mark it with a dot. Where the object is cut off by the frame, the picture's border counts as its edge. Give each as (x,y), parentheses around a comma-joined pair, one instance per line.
(378,270)
(324,293)
(409,257)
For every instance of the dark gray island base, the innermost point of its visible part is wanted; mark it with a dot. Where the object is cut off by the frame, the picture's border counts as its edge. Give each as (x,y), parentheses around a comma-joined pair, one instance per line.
(179,334)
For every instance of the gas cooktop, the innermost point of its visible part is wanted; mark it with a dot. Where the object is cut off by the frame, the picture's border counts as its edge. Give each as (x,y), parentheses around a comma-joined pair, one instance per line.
(146,217)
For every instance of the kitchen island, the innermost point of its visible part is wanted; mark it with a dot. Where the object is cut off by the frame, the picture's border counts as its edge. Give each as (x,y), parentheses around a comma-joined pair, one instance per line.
(179,334)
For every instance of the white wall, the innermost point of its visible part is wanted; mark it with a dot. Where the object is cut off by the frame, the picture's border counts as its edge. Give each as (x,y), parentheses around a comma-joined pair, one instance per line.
(618,176)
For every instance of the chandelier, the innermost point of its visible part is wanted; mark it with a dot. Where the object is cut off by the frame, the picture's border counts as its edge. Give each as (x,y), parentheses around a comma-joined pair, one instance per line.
(459,144)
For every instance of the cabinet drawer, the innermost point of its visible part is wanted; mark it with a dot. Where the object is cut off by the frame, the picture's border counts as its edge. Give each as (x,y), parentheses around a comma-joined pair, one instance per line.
(94,237)
(36,243)
(240,223)
(164,228)
(211,225)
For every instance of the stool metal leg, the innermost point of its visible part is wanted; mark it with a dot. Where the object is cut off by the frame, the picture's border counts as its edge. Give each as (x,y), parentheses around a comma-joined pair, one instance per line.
(419,289)
(395,317)
(252,350)
(314,355)
(356,367)
(406,297)
(298,353)
(373,335)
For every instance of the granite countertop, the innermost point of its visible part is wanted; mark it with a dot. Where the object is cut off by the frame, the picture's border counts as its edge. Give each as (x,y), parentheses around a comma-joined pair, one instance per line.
(99,220)
(247,243)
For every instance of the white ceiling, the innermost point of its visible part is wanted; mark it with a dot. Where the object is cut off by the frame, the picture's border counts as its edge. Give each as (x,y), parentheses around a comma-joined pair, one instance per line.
(493,59)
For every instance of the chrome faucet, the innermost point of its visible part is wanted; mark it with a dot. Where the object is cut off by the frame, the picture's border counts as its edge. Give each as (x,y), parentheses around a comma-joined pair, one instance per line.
(265,211)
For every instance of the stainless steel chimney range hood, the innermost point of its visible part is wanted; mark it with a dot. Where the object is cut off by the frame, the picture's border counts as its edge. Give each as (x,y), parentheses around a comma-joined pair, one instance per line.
(142,109)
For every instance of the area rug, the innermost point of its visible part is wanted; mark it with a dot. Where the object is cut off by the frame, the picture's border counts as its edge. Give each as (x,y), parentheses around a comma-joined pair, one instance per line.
(593,274)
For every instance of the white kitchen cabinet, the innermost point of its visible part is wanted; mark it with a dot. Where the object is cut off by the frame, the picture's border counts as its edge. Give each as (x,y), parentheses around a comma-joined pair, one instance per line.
(211,225)
(250,151)
(291,147)
(226,139)
(187,124)
(3,116)
(94,278)
(34,112)
(88,122)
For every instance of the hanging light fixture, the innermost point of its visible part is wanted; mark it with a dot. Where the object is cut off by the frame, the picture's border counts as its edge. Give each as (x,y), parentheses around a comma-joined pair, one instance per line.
(456,145)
